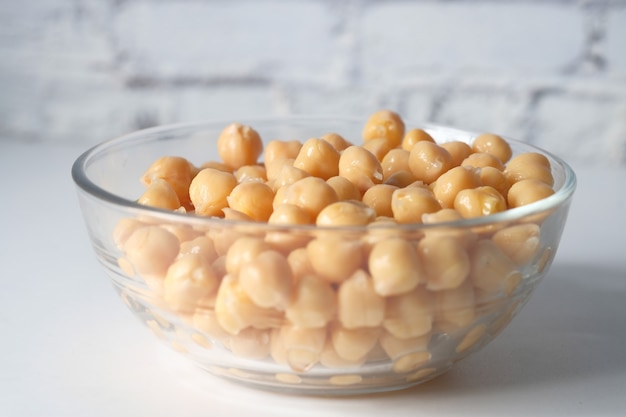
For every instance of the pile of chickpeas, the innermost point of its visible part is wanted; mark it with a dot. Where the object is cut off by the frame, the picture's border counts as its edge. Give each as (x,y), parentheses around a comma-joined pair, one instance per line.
(357,288)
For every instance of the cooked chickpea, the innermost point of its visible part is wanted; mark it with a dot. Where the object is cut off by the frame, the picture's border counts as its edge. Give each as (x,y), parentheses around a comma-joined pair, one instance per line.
(243,250)
(396,347)
(267,279)
(331,359)
(201,245)
(335,258)
(338,141)
(520,242)
(395,267)
(254,199)
(455,308)
(303,346)
(361,167)
(311,194)
(287,240)
(160,194)
(491,270)
(413,136)
(479,201)
(176,171)
(313,304)
(188,280)
(353,344)
(344,188)
(220,166)
(289,214)
(378,147)
(395,160)
(232,214)
(384,124)
(209,189)
(481,159)
(346,213)
(410,314)
(278,149)
(287,175)
(528,191)
(410,203)
(445,262)
(300,263)
(401,179)
(463,236)
(124,229)
(448,185)
(458,151)
(251,173)
(318,158)
(494,145)
(378,197)
(529,165)
(151,250)
(427,161)
(359,305)
(495,178)
(239,145)
(250,343)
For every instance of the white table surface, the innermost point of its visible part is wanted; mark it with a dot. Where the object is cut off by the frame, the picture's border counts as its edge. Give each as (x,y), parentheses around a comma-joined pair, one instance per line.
(70,348)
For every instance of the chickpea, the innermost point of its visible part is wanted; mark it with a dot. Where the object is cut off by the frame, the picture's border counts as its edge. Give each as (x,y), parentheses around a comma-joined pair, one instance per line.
(353,344)
(491,270)
(205,321)
(427,161)
(359,305)
(188,280)
(243,250)
(480,159)
(311,194)
(401,179)
(445,261)
(209,189)
(274,167)
(335,258)
(232,214)
(220,166)
(360,167)
(384,124)
(529,165)
(318,158)
(448,185)
(277,347)
(480,201)
(124,229)
(331,359)
(378,147)
(250,343)
(410,314)
(464,237)
(151,250)
(267,279)
(160,194)
(338,141)
(413,136)
(277,149)
(395,160)
(174,170)
(344,188)
(219,266)
(313,304)
(458,150)
(182,232)
(253,199)
(287,175)
(495,178)
(455,307)
(378,197)
(396,347)
(287,240)
(395,267)
(300,263)
(410,203)
(494,145)
(239,145)
(251,173)
(528,191)
(303,346)
(346,213)
(201,245)
(520,242)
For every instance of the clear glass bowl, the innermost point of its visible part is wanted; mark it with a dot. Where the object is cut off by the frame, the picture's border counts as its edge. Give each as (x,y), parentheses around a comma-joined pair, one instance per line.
(414,338)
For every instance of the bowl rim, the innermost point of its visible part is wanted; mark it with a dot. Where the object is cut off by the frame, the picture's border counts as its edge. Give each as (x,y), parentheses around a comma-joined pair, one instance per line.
(82,181)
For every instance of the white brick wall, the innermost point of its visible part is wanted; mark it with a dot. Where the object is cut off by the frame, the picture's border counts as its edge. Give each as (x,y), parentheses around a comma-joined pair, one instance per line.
(550,72)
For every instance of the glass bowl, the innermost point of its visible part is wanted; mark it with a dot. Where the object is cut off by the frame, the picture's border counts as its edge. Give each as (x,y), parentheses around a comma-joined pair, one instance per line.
(336,336)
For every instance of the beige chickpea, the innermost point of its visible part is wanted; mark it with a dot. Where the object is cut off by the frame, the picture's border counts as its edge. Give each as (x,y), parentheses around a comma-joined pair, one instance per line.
(151,250)
(494,145)
(311,194)
(219,265)
(277,347)
(287,175)
(401,179)
(495,178)
(481,159)
(220,166)
(344,188)
(520,242)
(463,236)
(267,279)
(235,311)
(396,347)
(232,214)
(395,267)
(287,240)
(491,270)
(410,203)
(360,167)
(395,160)
(335,139)
(378,147)
(378,197)
(455,308)
(239,145)
(331,359)
(335,258)
(250,343)
(209,189)
(458,150)
(124,229)
(205,321)
(188,280)
(318,158)
(254,199)
(201,245)
(410,314)
(251,173)
(300,263)
(160,194)
(353,344)
(176,171)
(427,161)
(530,165)
(243,250)
(313,303)
(448,185)
(303,346)
(445,262)
(274,167)
(479,201)
(528,191)
(278,149)
(346,213)
(359,305)
(413,136)
(384,124)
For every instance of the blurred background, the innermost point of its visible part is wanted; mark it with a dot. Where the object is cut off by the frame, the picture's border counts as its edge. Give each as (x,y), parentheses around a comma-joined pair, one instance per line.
(548,72)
